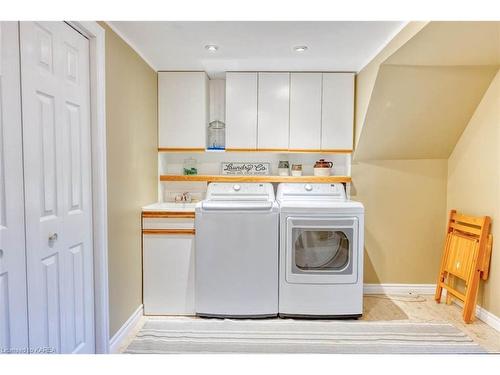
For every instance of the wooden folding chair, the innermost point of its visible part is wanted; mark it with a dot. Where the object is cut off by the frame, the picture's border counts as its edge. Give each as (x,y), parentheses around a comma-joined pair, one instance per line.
(467,253)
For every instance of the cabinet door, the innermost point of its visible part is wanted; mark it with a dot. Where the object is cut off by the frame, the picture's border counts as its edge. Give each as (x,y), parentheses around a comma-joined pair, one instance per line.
(337,111)
(182,109)
(241,111)
(168,274)
(273,111)
(305,111)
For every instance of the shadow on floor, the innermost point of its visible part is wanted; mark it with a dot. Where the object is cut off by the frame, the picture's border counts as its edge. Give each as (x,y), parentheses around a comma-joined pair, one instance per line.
(381,307)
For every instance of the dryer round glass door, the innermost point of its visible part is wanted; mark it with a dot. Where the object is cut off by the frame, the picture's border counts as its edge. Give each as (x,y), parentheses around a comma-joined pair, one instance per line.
(321,250)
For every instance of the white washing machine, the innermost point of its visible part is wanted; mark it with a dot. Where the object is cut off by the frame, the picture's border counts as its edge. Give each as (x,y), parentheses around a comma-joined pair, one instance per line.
(321,252)
(236,261)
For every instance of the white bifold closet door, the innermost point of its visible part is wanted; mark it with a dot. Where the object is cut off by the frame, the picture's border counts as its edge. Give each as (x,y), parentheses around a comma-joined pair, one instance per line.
(57,174)
(13,308)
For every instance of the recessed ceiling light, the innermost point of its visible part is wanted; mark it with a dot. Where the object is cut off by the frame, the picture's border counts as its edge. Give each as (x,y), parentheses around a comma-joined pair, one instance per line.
(211,47)
(300,48)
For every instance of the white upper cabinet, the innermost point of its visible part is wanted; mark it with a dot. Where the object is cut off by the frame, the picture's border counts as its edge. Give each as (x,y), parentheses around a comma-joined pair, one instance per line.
(182,109)
(273,111)
(263,111)
(241,110)
(337,111)
(305,111)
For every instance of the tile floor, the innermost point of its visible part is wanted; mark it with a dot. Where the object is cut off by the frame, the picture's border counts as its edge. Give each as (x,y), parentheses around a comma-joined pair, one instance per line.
(409,308)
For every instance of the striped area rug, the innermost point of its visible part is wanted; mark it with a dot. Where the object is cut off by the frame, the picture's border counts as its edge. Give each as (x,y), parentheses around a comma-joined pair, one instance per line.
(195,335)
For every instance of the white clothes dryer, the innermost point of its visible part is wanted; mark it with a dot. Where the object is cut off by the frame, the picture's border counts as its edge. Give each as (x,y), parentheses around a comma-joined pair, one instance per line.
(321,252)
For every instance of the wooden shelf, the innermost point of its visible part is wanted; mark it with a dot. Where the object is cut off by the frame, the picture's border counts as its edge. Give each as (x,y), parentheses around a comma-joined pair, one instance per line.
(273,150)
(220,178)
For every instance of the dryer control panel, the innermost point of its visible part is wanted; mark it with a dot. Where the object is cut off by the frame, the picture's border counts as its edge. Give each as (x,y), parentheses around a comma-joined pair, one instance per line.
(311,192)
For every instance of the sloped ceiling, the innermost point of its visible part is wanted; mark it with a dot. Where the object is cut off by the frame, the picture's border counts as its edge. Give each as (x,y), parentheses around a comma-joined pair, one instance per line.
(420,112)
(451,43)
(426,92)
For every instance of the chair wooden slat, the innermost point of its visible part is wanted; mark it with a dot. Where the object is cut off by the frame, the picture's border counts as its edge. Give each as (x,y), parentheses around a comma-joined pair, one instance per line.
(453,292)
(472,220)
(466,229)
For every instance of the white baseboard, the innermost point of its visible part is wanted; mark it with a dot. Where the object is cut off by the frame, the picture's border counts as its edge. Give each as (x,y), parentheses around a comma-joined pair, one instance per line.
(489,318)
(428,289)
(482,314)
(117,340)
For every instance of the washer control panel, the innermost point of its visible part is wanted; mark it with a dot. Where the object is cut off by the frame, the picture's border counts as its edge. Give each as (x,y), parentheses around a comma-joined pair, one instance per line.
(243,191)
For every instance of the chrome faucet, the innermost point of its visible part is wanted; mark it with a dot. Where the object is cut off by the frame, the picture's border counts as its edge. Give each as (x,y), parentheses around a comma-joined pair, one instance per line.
(184,197)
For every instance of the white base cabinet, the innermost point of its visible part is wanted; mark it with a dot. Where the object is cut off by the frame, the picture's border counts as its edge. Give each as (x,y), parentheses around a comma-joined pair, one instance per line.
(168,266)
(168,274)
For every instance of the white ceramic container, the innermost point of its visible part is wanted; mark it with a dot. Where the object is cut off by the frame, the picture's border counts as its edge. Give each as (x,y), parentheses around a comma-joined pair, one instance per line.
(283,172)
(322,171)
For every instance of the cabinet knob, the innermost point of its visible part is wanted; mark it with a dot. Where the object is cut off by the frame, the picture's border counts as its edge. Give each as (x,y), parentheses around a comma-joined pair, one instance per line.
(308,187)
(53,237)
(236,187)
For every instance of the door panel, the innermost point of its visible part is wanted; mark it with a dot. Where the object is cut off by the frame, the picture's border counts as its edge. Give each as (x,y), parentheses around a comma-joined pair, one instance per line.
(182,109)
(46,123)
(337,113)
(55,95)
(305,111)
(273,110)
(77,290)
(75,162)
(241,110)
(13,305)
(168,274)
(49,288)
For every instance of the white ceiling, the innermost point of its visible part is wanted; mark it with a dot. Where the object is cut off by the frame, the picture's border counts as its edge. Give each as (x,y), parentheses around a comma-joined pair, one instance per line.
(257,46)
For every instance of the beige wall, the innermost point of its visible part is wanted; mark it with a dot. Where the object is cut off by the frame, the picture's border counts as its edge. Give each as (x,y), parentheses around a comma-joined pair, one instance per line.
(131,108)
(405,217)
(474,180)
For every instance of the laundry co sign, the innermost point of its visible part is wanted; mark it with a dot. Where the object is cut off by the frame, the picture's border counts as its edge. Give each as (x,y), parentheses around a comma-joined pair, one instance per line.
(240,168)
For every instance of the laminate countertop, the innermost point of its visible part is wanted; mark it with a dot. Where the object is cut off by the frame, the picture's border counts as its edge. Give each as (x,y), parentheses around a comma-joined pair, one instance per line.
(170,207)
